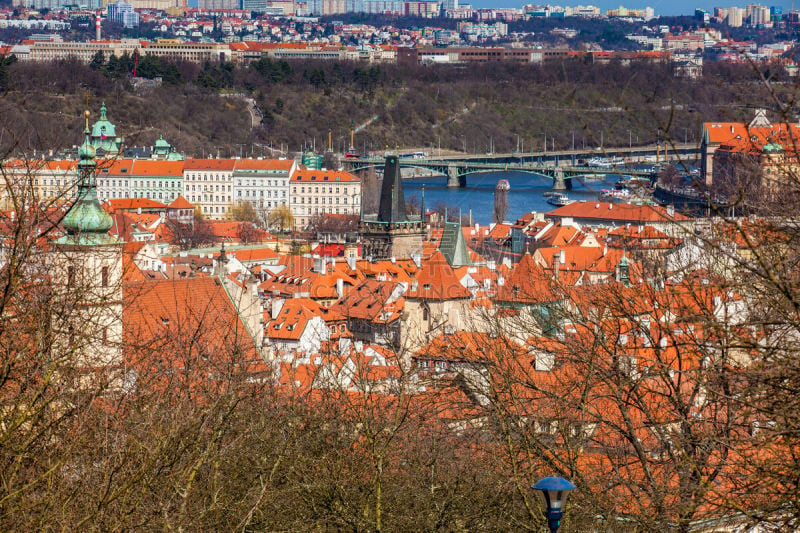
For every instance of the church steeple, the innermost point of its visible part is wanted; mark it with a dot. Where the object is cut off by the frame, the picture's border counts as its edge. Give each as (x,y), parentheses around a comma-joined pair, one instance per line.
(392,206)
(87,222)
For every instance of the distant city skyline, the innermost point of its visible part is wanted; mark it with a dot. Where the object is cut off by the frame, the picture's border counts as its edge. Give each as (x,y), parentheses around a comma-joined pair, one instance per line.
(662,7)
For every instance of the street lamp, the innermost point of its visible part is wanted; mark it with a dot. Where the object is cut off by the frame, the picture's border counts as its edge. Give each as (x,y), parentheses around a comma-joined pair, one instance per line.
(554,490)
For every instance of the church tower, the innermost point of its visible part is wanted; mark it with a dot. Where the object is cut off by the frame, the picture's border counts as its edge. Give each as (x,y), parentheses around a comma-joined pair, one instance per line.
(104,135)
(392,232)
(87,269)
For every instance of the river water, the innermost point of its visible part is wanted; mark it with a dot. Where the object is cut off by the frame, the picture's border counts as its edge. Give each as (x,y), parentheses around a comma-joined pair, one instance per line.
(525,194)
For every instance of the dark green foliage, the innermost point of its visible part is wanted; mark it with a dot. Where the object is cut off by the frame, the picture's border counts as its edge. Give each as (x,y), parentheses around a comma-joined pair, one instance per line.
(274,71)
(98,61)
(5,63)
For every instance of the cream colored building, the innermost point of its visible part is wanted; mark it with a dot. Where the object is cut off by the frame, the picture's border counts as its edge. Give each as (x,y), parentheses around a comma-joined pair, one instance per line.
(208,184)
(83,51)
(320,192)
(177,50)
(37,181)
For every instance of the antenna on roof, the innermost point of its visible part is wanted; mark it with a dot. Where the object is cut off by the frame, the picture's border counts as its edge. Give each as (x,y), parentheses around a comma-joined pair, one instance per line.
(422,205)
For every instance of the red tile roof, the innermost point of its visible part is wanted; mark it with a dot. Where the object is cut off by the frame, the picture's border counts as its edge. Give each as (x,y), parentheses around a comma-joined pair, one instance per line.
(209,164)
(168,322)
(616,212)
(131,204)
(324,176)
(180,203)
(436,280)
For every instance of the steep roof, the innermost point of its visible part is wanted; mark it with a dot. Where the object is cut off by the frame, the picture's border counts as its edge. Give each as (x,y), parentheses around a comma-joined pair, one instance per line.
(454,246)
(294,317)
(372,300)
(436,280)
(180,203)
(167,321)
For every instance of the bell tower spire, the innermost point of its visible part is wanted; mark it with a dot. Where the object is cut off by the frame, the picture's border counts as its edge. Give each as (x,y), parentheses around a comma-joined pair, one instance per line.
(86,222)
(87,266)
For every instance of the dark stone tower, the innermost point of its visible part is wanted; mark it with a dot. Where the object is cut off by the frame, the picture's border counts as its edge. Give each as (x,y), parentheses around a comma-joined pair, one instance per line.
(391,232)
(393,203)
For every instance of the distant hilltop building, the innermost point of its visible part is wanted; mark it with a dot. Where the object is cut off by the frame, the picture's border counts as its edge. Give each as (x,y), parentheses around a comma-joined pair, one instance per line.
(123,13)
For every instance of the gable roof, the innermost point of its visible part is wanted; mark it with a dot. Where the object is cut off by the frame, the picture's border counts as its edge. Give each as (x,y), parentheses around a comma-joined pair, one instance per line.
(180,203)
(166,321)
(436,280)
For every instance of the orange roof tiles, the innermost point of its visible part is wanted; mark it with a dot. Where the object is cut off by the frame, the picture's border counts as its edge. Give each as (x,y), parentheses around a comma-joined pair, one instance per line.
(733,132)
(436,280)
(372,300)
(180,203)
(127,204)
(209,164)
(147,167)
(294,316)
(324,176)
(166,321)
(616,212)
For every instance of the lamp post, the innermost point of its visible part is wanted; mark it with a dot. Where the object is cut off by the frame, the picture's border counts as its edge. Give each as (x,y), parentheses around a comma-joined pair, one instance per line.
(554,490)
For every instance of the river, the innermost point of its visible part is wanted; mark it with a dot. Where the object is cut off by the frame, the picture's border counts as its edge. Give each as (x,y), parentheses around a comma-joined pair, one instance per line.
(525,194)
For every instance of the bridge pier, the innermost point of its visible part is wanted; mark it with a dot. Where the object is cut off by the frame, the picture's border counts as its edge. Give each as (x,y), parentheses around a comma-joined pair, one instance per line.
(559,183)
(453,179)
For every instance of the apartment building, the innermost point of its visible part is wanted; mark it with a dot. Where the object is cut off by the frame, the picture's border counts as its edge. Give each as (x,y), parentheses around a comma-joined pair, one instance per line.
(208,184)
(48,182)
(139,178)
(319,192)
(262,182)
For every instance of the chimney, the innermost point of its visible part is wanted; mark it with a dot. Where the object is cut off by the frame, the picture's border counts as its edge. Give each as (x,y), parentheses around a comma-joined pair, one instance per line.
(671,210)
(556,266)
(417,258)
(351,262)
(319,264)
(340,287)
(277,305)
(97,27)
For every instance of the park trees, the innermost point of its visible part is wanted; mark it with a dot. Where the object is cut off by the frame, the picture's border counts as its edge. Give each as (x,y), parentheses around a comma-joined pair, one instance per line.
(280,218)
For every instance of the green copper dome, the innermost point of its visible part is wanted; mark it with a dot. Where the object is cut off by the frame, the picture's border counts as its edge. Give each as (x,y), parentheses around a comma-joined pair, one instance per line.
(103,128)
(161,143)
(86,221)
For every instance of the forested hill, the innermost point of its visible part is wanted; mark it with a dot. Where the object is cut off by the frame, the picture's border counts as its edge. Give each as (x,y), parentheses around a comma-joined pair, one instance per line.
(474,107)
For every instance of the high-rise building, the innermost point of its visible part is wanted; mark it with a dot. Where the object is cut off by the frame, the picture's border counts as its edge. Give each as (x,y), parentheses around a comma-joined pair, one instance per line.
(123,13)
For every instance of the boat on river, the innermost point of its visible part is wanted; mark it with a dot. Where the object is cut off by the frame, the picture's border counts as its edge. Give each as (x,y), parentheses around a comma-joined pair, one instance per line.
(559,199)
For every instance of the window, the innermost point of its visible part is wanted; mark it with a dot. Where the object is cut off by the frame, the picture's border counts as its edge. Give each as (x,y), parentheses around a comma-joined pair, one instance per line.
(70,275)
(104,277)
